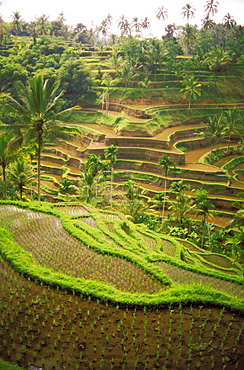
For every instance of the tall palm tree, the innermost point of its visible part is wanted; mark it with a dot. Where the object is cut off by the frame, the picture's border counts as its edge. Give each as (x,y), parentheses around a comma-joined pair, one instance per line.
(229,21)
(162,13)
(216,58)
(21,174)
(8,153)
(126,74)
(124,25)
(145,23)
(211,7)
(156,53)
(166,163)
(42,23)
(232,119)
(107,81)
(203,207)
(104,29)
(188,37)
(207,23)
(182,206)
(213,132)
(36,112)
(188,11)
(17,23)
(191,89)
(111,155)
(136,24)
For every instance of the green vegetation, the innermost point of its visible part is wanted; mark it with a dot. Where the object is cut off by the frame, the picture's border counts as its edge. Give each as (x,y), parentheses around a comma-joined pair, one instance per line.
(141,237)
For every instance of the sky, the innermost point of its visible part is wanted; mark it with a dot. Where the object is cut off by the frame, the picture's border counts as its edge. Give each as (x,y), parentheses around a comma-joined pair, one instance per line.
(92,12)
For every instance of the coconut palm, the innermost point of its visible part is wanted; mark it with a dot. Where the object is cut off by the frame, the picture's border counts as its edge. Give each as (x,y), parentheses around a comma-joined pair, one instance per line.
(216,58)
(211,7)
(126,74)
(213,132)
(36,113)
(42,24)
(188,11)
(229,21)
(162,13)
(232,119)
(104,29)
(108,82)
(8,153)
(207,23)
(188,37)
(155,55)
(17,23)
(136,24)
(21,174)
(124,25)
(166,164)
(203,207)
(111,155)
(145,23)
(192,89)
(182,206)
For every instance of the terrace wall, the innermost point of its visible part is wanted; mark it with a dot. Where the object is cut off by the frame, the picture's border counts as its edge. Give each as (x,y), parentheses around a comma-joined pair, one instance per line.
(141,154)
(218,176)
(137,142)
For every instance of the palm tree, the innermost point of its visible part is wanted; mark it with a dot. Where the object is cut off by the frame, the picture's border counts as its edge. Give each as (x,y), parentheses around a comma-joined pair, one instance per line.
(21,174)
(32,28)
(166,163)
(107,81)
(133,190)
(211,7)
(136,24)
(203,206)
(213,131)
(182,206)
(111,155)
(162,13)
(37,113)
(232,119)
(145,23)
(17,23)
(124,25)
(126,74)
(156,53)
(95,167)
(188,11)
(104,29)
(207,23)
(191,89)
(184,203)
(216,58)
(229,21)
(8,153)
(42,24)
(188,37)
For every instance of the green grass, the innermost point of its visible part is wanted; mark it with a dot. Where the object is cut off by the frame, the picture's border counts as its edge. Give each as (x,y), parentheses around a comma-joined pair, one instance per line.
(134,249)
(7,366)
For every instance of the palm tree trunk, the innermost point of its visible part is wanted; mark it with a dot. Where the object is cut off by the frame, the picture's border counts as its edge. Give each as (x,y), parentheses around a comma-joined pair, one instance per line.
(4,182)
(21,191)
(163,210)
(111,188)
(39,165)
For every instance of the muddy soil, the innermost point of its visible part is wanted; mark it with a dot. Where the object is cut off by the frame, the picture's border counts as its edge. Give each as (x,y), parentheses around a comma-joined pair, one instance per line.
(53,329)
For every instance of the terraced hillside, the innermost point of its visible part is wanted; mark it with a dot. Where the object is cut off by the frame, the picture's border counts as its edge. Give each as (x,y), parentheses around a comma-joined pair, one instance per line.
(147,123)
(85,288)
(137,159)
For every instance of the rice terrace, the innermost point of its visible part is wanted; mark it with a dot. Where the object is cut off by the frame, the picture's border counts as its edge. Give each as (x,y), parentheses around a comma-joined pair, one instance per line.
(121,196)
